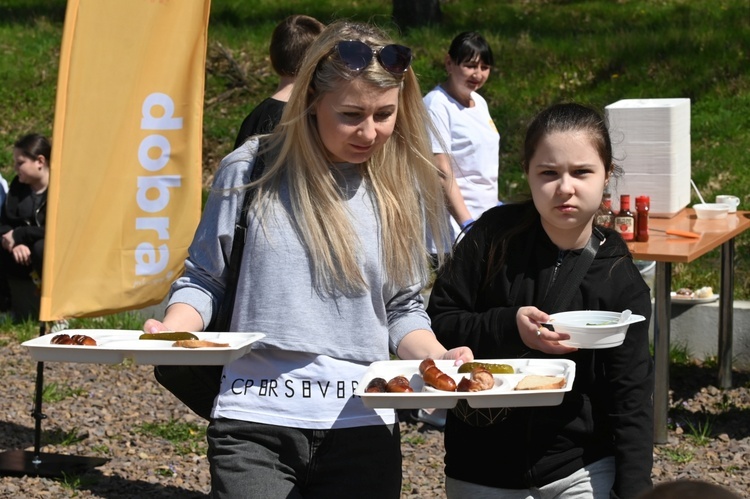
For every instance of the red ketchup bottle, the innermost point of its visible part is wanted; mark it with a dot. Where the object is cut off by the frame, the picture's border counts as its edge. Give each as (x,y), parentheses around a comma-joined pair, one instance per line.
(642,205)
(605,217)
(625,220)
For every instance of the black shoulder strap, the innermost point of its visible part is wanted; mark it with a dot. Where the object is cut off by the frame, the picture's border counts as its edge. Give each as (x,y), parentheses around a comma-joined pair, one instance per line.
(224,317)
(564,287)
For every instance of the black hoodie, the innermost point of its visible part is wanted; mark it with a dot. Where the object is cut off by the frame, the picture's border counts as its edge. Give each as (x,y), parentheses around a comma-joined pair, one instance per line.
(24,213)
(609,410)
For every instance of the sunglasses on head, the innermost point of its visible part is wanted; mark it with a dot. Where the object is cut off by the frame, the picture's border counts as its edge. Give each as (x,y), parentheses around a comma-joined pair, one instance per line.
(357,55)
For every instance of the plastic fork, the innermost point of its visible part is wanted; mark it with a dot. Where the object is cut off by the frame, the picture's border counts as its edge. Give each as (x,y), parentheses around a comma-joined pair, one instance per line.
(677,232)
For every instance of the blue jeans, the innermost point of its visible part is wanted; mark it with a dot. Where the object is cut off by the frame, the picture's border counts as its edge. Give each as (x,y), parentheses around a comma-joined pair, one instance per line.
(266,461)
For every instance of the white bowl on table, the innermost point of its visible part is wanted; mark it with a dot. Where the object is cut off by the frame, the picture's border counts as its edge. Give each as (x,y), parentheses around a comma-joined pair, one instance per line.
(593,329)
(711,211)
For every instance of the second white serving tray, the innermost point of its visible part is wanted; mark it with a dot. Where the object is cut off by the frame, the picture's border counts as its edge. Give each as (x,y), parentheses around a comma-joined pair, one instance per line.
(115,345)
(503,395)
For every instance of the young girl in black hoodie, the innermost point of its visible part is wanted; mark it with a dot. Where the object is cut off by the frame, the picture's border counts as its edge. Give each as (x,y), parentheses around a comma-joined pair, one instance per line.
(598,442)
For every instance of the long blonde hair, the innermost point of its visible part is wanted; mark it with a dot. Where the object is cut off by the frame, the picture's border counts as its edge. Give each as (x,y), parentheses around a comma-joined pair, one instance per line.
(402,176)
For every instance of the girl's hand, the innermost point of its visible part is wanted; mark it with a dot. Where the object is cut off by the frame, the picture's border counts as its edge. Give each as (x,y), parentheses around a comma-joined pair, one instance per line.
(533,335)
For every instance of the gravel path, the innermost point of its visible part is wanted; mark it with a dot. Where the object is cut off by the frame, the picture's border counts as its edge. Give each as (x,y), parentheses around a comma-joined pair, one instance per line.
(107,407)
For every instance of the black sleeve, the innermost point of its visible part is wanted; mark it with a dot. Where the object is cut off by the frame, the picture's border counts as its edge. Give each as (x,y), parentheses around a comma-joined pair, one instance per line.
(458,318)
(28,235)
(261,120)
(629,392)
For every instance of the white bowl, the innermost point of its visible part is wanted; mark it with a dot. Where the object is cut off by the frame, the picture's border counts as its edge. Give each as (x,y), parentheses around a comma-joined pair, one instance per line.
(711,211)
(592,328)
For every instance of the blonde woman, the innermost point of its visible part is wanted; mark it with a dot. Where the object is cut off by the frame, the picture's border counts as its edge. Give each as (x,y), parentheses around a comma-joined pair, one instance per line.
(333,264)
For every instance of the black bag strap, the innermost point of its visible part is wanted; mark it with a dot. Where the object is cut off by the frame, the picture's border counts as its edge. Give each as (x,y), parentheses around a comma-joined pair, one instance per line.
(222,320)
(565,286)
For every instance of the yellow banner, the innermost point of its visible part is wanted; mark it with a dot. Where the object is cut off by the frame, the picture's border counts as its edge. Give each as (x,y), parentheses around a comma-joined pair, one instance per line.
(125,183)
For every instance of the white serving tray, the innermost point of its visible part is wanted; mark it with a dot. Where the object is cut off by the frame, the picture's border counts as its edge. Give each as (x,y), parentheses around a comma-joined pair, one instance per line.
(115,345)
(503,395)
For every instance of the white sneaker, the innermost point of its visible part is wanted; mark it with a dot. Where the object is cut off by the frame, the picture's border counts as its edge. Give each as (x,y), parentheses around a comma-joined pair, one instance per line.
(434,417)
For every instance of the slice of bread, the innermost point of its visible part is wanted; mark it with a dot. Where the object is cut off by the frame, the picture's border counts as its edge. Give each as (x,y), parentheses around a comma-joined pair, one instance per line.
(537,382)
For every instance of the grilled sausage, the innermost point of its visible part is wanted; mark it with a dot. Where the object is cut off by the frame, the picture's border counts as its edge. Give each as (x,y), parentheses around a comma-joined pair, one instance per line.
(435,377)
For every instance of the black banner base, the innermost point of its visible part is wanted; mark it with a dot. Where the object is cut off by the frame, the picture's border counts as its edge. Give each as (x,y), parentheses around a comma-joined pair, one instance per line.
(27,463)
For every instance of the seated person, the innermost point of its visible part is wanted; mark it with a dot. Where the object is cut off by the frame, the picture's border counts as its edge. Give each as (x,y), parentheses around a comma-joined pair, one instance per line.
(24,212)
(4,291)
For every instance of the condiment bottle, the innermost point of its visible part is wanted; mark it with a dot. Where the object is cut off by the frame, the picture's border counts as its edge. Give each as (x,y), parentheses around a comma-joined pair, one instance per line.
(642,205)
(625,220)
(605,217)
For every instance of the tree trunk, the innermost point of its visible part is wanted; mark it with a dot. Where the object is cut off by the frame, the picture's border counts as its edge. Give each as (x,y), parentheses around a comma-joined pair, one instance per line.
(412,13)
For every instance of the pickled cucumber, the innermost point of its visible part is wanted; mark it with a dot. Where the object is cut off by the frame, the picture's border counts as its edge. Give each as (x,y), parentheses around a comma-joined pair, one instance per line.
(168,336)
(493,368)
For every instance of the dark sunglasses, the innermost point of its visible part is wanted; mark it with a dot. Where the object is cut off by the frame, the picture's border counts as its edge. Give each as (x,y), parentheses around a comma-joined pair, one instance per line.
(357,55)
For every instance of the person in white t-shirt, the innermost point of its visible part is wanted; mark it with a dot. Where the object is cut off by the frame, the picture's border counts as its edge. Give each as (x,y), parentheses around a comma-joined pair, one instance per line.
(465,141)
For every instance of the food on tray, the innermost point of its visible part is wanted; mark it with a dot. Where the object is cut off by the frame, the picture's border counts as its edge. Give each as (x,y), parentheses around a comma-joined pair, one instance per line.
(377,385)
(399,384)
(76,339)
(493,368)
(198,344)
(537,382)
(701,293)
(479,380)
(435,377)
(168,336)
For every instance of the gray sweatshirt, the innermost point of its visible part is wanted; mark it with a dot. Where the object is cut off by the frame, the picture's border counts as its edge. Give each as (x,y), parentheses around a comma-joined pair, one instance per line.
(275,293)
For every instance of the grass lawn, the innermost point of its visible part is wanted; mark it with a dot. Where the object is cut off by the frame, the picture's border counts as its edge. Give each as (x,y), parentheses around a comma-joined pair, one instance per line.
(594,52)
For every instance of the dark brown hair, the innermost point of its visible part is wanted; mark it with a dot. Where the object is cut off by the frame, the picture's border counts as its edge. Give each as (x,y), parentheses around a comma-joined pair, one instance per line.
(570,117)
(34,145)
(567,117)
(290,40)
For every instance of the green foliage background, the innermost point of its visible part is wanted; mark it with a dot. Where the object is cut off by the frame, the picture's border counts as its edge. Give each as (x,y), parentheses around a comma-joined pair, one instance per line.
(594,52)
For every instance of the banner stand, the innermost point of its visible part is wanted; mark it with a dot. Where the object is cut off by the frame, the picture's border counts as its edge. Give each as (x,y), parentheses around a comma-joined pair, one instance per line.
(37,463)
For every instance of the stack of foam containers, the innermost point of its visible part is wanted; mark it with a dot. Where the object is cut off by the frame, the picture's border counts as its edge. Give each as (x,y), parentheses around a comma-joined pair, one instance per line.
(651,142)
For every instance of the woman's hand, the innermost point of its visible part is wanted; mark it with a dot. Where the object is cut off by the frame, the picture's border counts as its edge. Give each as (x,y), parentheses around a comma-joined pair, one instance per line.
(461,355)
(8,241)
(152,326)
(422,344)
(529,321)
(178,317)
(21,254)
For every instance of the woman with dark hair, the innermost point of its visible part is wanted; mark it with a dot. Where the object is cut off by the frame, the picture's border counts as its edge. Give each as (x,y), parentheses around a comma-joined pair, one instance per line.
(24,212)
(505,279)
(466,143)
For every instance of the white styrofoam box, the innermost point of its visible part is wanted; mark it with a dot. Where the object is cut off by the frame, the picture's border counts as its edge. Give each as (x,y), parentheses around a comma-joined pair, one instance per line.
(651,157)
(649,120)
(651,142)
(655,186)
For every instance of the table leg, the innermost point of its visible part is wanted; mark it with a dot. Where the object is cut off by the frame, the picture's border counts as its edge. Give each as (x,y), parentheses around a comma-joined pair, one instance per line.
(662,316)
(726,314)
